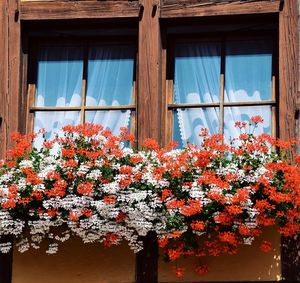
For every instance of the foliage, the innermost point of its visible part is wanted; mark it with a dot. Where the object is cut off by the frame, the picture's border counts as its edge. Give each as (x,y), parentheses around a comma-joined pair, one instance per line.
(200,201)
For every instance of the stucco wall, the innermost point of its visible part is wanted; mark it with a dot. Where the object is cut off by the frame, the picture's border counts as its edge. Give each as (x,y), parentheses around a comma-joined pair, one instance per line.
(75,263)
(250,264)
(85,263)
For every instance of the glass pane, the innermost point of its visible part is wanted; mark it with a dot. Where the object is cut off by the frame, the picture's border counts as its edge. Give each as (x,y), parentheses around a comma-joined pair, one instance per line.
(187,124)
(197,72)
(59,76)
(248,70)
(110,119)
(53,121)
(110,75)
(244,113)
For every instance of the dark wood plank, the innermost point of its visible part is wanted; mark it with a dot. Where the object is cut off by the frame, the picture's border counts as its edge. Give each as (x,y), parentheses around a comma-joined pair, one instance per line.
(147,261)
(288,86)
(175,9)
(148,115)
(9,95)
(3,73)
(9,72)
(55,10)
(14,71)
(149,78)
(5,264)
(288,68)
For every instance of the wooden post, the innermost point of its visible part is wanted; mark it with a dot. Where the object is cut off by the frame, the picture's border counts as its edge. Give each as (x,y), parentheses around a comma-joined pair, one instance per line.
(149,78)
(149,111)
(288,68)
(5,264)
(288,92)
(9,94)
(146,260)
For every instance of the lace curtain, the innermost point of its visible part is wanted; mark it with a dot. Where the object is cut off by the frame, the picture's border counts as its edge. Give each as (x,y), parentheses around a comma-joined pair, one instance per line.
(59,84)
(248,74)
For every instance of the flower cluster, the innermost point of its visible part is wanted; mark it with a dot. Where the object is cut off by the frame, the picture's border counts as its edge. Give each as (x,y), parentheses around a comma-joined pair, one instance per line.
(200,200)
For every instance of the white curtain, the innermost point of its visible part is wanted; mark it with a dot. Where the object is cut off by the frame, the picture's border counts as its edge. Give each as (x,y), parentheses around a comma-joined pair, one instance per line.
(196,80)
(59,83)
(248,77)
(110,83)
(59,76)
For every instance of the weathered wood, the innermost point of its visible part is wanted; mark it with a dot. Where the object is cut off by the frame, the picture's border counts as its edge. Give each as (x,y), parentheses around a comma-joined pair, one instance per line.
(177,9)
(5,264)
(9,94)
(3,73)
(146,260)
(55,10)
(217,104)
(288,68)
(148,114)
(288,86)
(149,79)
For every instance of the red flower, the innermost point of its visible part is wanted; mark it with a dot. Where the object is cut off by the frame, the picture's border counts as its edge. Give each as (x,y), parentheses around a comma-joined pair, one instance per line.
(202,269)
(266,246)
(256,119)
(151,144)
(179,271)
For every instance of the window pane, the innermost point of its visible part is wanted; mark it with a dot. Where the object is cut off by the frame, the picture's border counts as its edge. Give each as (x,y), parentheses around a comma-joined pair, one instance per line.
(197,72)
(248,70)
(110,119)
(53,121)
(59,76)
(187,124)
(244,113)
(110,75)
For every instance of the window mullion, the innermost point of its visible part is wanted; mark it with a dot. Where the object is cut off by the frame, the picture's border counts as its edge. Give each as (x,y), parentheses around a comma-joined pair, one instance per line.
(273,108)
(222,88)
(84,85)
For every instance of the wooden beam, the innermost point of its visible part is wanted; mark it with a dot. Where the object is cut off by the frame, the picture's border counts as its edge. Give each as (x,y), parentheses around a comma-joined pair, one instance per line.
(9,95)
(147,260)
(64,10)
(175,9)
(288,95)
(149,78)
(148,114)
(288,68)
(3,73)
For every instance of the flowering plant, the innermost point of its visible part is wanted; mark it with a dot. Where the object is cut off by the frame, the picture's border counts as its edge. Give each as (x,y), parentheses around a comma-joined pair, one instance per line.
(204,200)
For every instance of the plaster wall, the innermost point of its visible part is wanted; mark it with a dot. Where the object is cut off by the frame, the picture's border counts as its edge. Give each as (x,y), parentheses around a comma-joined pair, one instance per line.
(86,263)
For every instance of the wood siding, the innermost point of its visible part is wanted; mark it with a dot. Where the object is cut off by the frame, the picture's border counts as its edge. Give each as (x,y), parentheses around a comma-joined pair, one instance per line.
(149,69)
(289,106)
(9,94)
(173,8)
(149,88)
(58,10)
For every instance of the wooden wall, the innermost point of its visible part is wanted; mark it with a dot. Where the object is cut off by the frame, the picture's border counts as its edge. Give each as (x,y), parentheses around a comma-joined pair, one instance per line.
(149,13)
(9,92)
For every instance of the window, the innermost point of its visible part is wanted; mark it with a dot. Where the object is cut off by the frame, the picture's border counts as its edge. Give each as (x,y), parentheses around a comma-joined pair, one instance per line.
(76,83)
(217,81)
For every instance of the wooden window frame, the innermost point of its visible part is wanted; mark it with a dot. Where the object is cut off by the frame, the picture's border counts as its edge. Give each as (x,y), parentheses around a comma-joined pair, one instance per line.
(222,37)
(150,14)
(84,43)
